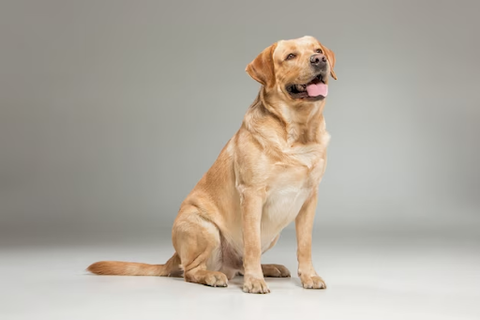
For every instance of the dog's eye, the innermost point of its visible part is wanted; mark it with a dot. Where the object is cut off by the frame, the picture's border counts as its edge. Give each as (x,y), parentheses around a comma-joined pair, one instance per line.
(319,51)
(290,56)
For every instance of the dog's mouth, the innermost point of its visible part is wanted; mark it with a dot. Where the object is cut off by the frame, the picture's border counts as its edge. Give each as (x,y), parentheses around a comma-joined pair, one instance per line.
(314,90)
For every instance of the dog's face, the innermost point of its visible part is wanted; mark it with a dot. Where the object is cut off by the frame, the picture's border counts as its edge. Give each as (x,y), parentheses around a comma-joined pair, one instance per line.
(295,69)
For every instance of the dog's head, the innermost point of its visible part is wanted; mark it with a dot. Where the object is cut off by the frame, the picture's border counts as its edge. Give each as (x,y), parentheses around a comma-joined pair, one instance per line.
(296,69)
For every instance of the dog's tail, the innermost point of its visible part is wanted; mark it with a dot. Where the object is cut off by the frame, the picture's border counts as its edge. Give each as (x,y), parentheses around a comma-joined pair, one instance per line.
(118,268)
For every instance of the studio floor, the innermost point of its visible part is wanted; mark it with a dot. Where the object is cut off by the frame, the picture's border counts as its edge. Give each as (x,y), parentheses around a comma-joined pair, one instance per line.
(383,277)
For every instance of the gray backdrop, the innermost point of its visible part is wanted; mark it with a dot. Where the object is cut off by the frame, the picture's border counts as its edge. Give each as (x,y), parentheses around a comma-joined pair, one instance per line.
(111,111)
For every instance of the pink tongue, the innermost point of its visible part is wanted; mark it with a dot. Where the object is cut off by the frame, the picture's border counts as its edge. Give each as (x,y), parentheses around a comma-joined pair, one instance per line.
(319,89)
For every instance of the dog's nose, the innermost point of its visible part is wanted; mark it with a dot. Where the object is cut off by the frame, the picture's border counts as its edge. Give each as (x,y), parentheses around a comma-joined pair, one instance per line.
(318,60)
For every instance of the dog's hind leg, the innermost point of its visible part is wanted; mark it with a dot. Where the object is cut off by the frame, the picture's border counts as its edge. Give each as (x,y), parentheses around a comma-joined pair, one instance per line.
(197,242)
(274,270)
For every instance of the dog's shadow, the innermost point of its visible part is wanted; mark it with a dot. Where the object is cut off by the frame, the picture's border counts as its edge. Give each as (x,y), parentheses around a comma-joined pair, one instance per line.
(237,282)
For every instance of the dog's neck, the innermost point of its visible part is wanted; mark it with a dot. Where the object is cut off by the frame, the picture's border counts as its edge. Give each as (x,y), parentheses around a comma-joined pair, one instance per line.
(302,123)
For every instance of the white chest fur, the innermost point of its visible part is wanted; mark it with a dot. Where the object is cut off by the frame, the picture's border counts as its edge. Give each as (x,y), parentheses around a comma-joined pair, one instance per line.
(288,190)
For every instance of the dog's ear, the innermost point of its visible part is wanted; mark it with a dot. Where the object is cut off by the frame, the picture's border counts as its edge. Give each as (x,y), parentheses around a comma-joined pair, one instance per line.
(261,69)
(331,59)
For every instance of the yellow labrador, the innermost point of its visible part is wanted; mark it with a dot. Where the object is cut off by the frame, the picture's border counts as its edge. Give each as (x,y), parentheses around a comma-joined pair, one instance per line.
(264,178)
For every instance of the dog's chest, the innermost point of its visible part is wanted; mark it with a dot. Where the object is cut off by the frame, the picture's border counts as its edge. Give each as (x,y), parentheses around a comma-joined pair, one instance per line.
(290,185)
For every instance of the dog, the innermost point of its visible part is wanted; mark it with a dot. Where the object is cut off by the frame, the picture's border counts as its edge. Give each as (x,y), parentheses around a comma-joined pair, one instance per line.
(265,177)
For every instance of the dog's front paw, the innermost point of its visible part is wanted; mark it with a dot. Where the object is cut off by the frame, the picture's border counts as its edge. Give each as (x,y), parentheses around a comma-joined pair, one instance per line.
(313,282)
(254,285)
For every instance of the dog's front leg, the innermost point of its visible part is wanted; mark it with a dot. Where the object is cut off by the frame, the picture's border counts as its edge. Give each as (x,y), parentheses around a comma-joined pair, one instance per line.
(304,228)
(252,203)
